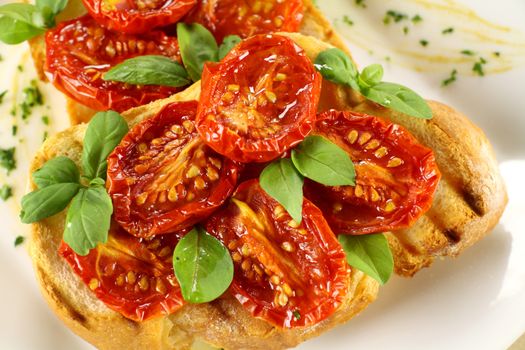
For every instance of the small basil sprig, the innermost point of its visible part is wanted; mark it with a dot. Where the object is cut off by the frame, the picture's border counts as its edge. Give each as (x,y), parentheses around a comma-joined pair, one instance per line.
(149,70)
(21,22)
(370,254)
(337,67)
(315,158)
(203,266)
(197,46)
(59,184)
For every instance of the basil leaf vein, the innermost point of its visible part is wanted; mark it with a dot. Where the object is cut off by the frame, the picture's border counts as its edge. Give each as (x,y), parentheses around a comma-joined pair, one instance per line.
(56,171)
(88,219)
(323,161)
(399,98)
(203,266)
(104,133)
(46,202)
(284,183)
(149,70)
(197,46)
(370,254)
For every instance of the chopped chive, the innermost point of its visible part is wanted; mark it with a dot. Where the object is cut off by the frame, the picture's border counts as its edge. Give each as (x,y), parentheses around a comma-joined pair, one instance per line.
(449,30)
(2,95)
(451,79)
(468,52)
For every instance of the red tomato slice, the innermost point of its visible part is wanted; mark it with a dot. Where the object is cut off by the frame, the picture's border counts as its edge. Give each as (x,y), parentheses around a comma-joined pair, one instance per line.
(247,18)
(396,177)
(260,100)
(163,178)
(137,16)
(289,274)
(131,275)
(80,51)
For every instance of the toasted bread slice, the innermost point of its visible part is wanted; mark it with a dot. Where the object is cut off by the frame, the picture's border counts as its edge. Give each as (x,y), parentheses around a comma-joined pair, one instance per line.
(468,203)
(314,24)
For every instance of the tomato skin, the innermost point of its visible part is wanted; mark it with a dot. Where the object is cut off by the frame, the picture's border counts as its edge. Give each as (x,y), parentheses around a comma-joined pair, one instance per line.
(396,176)
(79,52)
(288,274)
(162,178)
(129,19)
(132,276)
(260,100)
(237,17)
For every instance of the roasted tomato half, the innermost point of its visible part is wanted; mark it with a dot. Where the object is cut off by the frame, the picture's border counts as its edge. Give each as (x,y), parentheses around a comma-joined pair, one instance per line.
(260,100)
(137,16)
(396,177)
(247,17)
(163,177)
(133,276)
(80,51)
(289,274)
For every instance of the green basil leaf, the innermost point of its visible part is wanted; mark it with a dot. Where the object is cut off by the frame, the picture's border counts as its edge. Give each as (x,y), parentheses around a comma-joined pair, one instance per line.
(335,66)
(19,12)
(323,161)
(370,254)
(371,76)
(197,46)
(284,183)
(56,171)
(104,133)
(399,98)
(97,182)
(203,266)
(88,220)
(149,70)
(46,202)
(56,6)
(228,44)
(14,32)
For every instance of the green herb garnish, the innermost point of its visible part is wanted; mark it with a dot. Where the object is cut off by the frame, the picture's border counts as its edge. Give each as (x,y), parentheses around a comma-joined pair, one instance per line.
(446,31)
(347,20)
(370,254)
(19,240)
(423,42)
(478,67)
(395,16)
(2,95)
(59,184)
(203,266)
(6,192)
(7,159)
(468,52)
(452,78)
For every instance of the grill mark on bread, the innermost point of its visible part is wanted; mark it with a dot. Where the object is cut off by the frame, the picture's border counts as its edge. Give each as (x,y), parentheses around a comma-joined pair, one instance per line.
(55,294)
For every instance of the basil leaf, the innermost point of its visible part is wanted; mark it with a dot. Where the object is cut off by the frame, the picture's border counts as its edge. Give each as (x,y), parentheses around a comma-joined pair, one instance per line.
(370,76)
(149,70)
(228,44)
(335,66)
(399,98)
(370,254)
(323,161)
(19,12)
(104,133)
(14,32)
(56,6)
(284,183)
(88,220)
(46,202)
(203,266)
(56,171)
(197,46)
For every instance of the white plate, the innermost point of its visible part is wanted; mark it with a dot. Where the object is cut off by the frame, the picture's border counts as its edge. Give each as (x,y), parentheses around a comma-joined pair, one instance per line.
(476,301)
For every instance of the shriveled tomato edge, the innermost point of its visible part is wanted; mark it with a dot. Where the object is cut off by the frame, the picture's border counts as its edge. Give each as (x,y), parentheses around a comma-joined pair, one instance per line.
(172,302)
(189,214)
(340,283)
(262,150)
(424,154)
(138,23)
